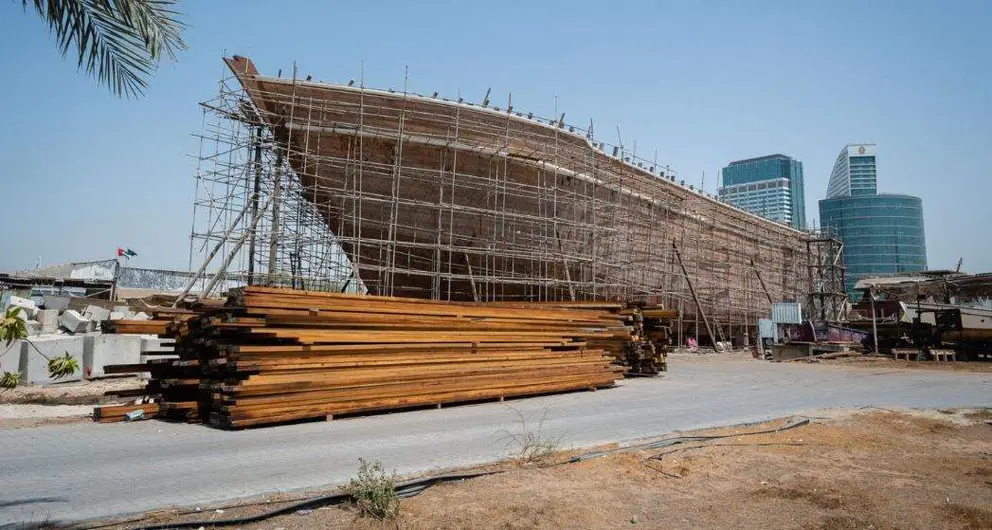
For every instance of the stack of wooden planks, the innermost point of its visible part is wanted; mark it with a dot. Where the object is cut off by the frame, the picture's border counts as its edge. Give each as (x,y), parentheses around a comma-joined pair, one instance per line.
(274,355)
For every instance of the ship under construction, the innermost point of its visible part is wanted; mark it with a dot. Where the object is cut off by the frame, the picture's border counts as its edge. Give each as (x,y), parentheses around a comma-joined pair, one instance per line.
(321,185)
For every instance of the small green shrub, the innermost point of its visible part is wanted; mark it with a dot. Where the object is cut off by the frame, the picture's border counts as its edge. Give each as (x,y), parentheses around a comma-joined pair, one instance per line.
(374,492)
(10,379)
(59,367)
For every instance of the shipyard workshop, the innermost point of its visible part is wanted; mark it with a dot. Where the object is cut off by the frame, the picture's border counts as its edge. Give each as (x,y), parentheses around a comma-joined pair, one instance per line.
(488,300)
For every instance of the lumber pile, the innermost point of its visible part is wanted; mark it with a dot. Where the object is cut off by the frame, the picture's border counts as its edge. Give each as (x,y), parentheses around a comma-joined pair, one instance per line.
(161,321)
(136,327)
(273,355)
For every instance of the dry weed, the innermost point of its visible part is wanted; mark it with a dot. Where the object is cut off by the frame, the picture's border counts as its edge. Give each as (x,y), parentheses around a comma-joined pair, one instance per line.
(971,517)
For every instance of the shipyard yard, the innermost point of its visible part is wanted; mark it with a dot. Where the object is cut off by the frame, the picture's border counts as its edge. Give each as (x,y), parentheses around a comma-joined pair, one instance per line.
(259,273)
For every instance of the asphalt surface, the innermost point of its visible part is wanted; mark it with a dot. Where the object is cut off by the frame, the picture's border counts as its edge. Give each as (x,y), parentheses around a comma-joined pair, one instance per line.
(83,471)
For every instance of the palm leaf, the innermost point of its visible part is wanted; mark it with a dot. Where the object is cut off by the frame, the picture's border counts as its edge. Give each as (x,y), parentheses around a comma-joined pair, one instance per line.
(120,42)
(59,367)
(12,327)
(10,379)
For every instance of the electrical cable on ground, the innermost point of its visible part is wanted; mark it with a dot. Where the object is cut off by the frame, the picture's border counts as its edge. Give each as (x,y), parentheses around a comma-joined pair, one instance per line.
(414,487)
(403,490)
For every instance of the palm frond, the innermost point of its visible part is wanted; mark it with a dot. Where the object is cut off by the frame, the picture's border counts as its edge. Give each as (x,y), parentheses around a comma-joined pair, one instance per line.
(12,327)
(120,42)
(60,367)
(10,379)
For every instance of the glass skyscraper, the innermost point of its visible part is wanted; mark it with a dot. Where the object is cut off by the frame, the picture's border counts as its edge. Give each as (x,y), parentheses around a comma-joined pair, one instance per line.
(770,186)
(882,233)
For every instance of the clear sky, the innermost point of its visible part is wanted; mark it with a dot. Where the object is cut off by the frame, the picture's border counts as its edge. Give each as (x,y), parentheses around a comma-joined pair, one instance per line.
(703,82)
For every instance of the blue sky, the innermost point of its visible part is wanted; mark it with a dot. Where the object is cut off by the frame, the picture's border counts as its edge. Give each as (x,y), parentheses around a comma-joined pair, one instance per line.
(702,82)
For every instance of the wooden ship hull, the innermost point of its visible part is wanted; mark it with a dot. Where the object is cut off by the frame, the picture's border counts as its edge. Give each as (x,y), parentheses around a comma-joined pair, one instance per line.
(448,200)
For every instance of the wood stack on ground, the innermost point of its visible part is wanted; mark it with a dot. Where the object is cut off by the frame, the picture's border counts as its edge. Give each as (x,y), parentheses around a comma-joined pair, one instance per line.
(273,355)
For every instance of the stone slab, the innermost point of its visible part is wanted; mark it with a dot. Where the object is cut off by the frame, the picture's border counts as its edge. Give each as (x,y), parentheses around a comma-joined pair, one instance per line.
(49,320)
(97,313)
(34,366)
(28,307)
(73,321)
(100,350)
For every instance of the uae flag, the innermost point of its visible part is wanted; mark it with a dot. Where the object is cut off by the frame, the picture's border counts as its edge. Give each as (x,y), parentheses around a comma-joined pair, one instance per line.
(126,252)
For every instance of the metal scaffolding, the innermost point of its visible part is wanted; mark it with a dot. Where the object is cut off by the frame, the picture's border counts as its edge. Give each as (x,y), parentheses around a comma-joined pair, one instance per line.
(331,186)
(827,300)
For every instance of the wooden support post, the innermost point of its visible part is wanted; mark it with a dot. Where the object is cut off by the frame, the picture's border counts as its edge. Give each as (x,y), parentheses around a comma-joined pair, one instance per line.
(254,202)
(276,192)
(471,278)
(692,291)
(564,263)
(762,280)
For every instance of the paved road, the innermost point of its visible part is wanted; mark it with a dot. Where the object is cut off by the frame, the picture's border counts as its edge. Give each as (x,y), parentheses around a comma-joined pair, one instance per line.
(81,471)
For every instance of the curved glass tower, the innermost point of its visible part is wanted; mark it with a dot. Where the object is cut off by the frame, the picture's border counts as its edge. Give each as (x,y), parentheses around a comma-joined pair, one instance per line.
(882,233)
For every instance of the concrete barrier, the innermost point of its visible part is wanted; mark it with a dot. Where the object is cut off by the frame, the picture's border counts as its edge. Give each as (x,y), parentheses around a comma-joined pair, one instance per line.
(153,344)
(100,350)
(34,367)
(10,356)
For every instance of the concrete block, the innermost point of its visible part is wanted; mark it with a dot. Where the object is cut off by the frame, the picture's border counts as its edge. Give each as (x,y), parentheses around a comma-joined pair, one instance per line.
(33,327)
(157,345)
(34,367)
(97,313)
(10,355)
(29,309)
(100,350)
(56,303)
(49,320)
(73,321)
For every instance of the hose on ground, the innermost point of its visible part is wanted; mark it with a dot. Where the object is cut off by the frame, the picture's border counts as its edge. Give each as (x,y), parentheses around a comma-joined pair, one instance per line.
(403,490)
(668,442)
(416,486)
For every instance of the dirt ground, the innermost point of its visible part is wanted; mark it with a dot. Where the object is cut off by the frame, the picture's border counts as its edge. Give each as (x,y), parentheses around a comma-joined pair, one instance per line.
(866,468)
(70,393)
(860,361)
(887,362)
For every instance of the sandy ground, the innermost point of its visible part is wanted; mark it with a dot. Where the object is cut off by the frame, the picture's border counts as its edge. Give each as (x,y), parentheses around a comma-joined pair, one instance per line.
(886,362)
(861,361)
(20,416)
(866,468)
(33,406)
(71,393)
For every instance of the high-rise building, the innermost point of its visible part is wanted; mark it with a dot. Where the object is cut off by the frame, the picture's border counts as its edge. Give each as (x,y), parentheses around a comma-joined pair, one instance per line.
(882,233)
(770,186)
(854,172)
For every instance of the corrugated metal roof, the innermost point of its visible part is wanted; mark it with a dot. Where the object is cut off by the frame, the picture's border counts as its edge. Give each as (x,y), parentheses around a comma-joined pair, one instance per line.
(787,313)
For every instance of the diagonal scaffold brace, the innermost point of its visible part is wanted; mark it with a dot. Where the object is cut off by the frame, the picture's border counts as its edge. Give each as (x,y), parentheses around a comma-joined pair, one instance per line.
(692,291)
